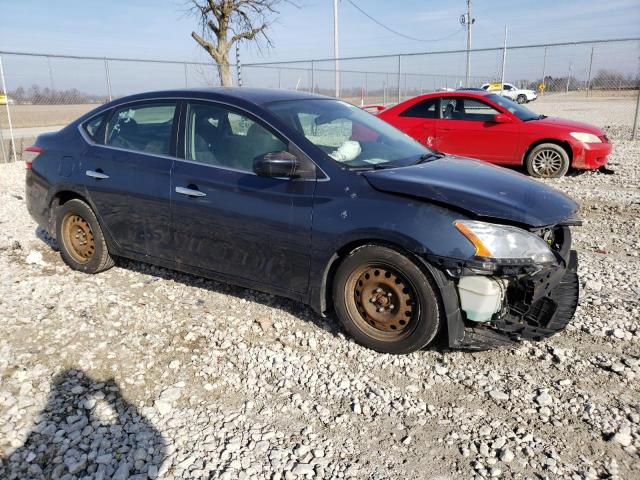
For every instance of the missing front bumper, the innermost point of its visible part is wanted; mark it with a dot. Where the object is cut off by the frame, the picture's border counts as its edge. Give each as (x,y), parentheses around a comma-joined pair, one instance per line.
(537,307)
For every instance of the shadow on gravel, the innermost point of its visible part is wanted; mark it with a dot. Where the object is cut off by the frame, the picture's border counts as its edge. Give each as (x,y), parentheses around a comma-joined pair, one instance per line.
(87,430)
(43,235)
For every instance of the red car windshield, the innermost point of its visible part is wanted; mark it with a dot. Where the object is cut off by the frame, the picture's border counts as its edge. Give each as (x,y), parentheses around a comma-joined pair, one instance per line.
(523,113)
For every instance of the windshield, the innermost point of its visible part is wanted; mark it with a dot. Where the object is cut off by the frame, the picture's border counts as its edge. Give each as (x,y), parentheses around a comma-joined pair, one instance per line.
(523,113)
(348,134)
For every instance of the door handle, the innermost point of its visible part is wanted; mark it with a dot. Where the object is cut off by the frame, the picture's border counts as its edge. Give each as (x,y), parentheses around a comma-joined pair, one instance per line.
(190,192)
(97,175)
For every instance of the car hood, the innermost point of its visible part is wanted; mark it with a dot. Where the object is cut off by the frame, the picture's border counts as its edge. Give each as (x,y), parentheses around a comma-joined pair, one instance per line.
(482,189)
(569,125)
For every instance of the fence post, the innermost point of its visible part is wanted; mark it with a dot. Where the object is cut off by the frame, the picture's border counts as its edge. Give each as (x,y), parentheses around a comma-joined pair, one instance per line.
(50,73)
(106,71)
(4,153)
(399,68)
(636,118)
(186,79)
(569,77)
(405,84)
(589,72)
(279,78)
(544,70)
(4,89)
(366,87)
(313,86)
(386,88)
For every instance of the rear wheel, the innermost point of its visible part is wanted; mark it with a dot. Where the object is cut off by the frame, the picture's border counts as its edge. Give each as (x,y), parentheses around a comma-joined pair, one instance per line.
(82,245)
(385,301)
(547,160)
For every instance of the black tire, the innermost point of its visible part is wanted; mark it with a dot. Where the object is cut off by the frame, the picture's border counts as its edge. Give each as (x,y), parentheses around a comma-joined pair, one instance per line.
(416,313)
(82,245)
(521,99)
(547,160)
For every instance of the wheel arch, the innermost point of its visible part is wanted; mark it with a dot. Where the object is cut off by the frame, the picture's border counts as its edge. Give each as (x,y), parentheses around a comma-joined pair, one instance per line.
(325,300)
(566,146)
(452,327)
(59,198)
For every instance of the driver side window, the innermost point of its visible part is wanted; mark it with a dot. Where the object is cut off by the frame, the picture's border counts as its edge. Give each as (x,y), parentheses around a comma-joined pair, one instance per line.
(217,136)
(468,109)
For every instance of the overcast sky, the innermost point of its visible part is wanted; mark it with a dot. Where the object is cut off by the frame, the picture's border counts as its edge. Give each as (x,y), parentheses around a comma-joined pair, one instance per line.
(160,28)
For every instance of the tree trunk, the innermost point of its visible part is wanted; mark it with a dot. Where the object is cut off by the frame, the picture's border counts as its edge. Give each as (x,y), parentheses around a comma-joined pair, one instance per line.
(226,80)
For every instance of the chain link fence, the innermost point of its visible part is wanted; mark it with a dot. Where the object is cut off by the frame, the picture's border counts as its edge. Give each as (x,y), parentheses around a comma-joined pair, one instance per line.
(596,81)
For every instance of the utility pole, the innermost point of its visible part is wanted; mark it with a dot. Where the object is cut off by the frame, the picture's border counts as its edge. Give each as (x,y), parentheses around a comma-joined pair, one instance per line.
(504,59)
(336,50)
(465,19)
(569,77)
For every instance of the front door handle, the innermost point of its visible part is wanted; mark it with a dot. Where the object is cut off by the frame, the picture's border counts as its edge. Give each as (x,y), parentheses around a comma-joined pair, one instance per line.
(98,175)
(190,192)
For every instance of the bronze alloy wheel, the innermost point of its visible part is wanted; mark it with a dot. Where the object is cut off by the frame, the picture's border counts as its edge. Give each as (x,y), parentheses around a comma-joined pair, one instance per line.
(78,237)
(382,302)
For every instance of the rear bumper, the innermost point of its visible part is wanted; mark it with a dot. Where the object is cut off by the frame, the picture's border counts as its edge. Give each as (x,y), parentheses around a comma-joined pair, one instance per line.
(590,156)
(36,193)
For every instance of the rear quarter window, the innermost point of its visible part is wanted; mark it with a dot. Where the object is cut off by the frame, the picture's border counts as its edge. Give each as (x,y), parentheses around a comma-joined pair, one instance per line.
(423,109)
(93,127)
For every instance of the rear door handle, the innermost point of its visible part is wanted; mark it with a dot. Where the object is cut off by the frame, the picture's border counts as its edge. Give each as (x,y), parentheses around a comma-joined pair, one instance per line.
(98,175)
(190,192)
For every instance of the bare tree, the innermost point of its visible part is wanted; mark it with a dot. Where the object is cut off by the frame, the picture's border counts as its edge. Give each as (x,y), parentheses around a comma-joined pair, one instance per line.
(225,22)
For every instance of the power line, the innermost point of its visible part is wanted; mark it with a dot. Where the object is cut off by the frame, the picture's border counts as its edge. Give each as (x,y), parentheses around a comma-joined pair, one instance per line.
(399,33)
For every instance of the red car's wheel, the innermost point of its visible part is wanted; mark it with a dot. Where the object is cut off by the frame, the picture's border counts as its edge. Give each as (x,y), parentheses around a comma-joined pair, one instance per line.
(547,160)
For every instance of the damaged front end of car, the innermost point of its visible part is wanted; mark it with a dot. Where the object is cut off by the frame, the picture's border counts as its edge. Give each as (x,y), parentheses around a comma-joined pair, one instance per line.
(520,285)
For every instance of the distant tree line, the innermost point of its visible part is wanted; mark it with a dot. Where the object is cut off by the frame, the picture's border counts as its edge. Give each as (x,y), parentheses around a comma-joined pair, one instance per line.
(35,95)
(602,80)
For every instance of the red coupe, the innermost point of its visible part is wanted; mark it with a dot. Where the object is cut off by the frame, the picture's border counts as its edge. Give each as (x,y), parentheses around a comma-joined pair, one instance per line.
(495,129)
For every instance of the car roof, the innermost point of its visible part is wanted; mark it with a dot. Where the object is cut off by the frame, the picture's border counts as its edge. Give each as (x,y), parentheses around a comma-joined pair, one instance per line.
(453,93)
(259,96)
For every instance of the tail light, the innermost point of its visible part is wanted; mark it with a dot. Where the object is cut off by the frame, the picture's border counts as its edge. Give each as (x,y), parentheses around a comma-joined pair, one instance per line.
(29,155)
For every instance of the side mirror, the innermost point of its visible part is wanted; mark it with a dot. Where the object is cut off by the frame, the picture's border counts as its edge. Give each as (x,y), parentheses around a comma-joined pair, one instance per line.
(501,118)
(276,164)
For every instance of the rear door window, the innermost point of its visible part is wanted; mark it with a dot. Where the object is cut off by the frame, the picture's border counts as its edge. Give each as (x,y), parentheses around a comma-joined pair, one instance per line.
(144,127)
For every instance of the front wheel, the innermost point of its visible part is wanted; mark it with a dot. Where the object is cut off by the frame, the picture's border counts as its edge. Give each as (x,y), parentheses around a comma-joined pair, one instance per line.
(385,301)
(82,245)
(547,160)
(521,99)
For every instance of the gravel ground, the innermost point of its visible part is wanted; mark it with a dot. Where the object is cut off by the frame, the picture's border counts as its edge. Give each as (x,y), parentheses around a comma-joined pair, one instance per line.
(140,372)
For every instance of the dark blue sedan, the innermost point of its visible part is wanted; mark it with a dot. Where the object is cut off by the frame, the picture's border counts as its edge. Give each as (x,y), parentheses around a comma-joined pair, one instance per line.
(313,199)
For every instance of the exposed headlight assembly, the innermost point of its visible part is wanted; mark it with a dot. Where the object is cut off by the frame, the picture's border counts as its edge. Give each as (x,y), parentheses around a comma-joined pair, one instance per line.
(586,137)
(502,242)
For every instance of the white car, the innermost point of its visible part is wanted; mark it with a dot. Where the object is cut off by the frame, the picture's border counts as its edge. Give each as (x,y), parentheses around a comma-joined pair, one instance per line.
(511,91)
